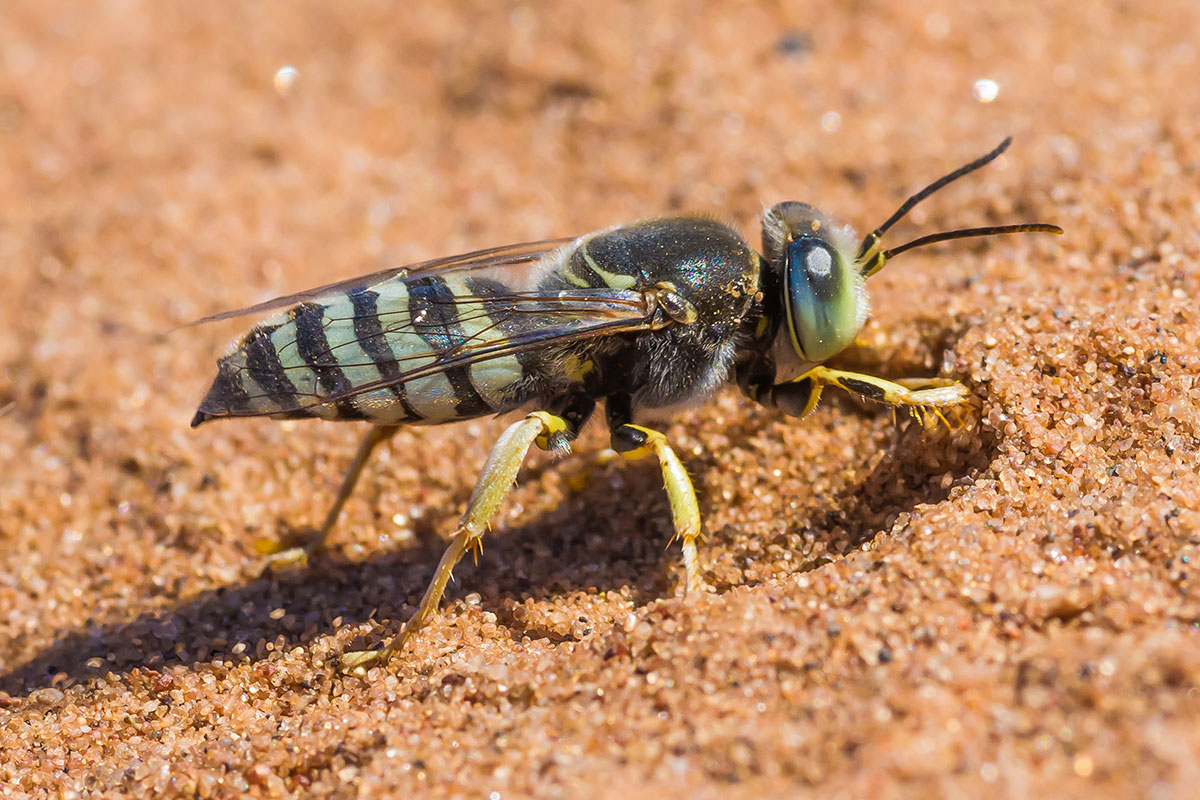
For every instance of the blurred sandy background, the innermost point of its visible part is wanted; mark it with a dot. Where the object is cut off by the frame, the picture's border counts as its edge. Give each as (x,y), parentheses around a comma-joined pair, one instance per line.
(1009,611)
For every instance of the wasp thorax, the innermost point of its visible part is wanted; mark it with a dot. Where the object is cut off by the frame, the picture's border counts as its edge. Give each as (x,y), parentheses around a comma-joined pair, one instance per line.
(824,297)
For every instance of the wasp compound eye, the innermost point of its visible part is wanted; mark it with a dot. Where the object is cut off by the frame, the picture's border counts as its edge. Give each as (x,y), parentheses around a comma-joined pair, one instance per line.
(822,298)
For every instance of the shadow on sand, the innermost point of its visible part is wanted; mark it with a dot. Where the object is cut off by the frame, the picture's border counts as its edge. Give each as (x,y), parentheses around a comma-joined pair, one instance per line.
(576,547)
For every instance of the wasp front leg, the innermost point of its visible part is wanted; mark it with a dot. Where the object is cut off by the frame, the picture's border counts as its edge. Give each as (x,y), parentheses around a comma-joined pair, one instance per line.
(547,431)
(914,395)
(634,442)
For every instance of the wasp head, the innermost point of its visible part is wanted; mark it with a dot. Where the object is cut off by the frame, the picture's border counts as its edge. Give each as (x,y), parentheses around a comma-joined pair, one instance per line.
(824,293)
(821,273)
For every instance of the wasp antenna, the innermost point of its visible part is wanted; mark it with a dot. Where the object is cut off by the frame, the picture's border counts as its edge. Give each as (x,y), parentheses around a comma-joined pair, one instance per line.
(882,257)
(872,239)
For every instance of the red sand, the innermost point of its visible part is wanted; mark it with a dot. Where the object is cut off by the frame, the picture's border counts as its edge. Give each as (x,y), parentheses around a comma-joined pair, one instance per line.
(1006,611)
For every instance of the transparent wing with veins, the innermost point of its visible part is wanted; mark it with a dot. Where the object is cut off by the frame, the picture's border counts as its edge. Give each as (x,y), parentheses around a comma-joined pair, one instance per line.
(465,310)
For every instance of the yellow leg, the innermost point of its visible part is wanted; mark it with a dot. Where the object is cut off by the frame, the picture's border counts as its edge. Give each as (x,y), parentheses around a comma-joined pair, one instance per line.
(633,442)
(490,490)
(280,553)
(915,395)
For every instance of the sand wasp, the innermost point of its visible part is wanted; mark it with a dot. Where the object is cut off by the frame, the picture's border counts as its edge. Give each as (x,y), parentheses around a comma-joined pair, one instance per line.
(645,315)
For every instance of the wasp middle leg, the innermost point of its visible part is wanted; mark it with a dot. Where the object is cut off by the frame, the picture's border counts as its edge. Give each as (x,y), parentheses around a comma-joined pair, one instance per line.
(634,442)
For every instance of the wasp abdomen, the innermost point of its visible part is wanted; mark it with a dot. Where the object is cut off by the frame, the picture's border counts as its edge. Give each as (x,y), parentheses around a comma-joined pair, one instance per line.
(344,359)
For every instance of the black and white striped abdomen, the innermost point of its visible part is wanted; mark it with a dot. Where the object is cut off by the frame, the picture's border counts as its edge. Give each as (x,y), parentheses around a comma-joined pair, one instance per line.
(318,358)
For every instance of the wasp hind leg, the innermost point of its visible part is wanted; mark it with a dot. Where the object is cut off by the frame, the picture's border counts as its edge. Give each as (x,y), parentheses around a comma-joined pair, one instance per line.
(547,431)
(917,396)
(282,553)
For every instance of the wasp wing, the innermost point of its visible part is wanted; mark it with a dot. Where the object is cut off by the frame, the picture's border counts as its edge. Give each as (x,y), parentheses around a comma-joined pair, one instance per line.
(352,351)
(506,255)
